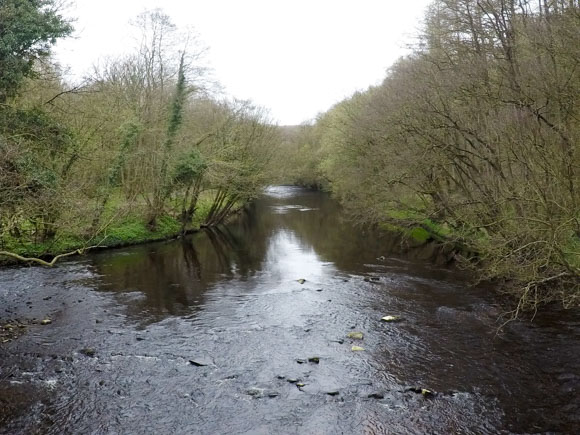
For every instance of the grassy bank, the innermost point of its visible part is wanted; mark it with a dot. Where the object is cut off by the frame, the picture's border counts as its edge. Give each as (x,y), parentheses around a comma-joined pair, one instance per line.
(127,225)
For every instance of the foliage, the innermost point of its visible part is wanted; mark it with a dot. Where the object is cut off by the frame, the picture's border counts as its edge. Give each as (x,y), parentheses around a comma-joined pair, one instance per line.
(477,131)
(127,155)
(29,28)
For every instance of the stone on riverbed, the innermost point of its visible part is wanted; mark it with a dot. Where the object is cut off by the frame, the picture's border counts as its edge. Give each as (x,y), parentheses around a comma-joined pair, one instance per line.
(88,351)
(258,393)
(355,335)
(199,362)
(423,391)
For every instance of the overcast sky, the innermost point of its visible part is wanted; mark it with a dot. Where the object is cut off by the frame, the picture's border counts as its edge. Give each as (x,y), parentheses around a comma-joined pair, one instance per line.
(296,58)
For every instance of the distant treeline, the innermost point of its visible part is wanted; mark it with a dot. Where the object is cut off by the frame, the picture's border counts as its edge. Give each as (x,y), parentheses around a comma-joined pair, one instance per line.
(473,137)
(140,149)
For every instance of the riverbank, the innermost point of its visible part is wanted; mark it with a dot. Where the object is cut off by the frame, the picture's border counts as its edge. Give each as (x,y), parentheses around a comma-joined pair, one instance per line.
(525,283)
(127,230)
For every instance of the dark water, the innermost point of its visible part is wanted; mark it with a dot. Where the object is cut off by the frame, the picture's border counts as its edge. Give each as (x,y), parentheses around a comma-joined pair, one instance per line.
(230,299)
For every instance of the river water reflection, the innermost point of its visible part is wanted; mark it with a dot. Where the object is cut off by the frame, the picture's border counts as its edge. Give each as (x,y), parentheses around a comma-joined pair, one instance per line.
(230,300)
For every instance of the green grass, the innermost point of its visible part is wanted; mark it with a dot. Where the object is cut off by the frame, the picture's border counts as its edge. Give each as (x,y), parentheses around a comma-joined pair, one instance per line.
(203,207)
(127,226)
(134,230)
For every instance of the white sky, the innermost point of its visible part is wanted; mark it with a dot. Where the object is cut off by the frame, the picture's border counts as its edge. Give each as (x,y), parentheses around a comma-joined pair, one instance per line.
(296,58)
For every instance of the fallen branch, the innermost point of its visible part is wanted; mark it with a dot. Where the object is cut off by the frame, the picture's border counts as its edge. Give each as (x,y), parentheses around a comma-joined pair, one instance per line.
(43,262)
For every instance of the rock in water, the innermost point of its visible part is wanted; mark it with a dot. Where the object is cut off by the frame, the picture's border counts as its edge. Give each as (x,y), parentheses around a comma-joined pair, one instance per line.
(423,391)
(355,335)
(258,393)
(88,351)
(391,318)
(199,363)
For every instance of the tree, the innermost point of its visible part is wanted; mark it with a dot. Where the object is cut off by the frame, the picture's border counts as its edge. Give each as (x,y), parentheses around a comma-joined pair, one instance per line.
(28,29)
(475,134)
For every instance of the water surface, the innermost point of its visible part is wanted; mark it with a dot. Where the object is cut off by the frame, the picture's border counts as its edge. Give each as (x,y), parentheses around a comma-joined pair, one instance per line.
(230,299)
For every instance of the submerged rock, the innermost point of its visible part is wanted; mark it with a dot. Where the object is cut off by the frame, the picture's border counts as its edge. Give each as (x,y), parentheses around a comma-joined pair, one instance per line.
(355,335)
(262,392)
(88,351)
(12,329)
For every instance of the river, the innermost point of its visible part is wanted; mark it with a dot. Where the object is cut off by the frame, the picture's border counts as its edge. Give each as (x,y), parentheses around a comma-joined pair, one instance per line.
(212,334)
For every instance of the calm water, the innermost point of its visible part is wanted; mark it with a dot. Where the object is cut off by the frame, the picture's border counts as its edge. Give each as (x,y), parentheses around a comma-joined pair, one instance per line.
(230,299)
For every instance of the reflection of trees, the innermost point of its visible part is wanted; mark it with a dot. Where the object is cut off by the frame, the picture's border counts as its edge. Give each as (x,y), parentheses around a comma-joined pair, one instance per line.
(193,266)
(326,230)
(222,245)
(173,277)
